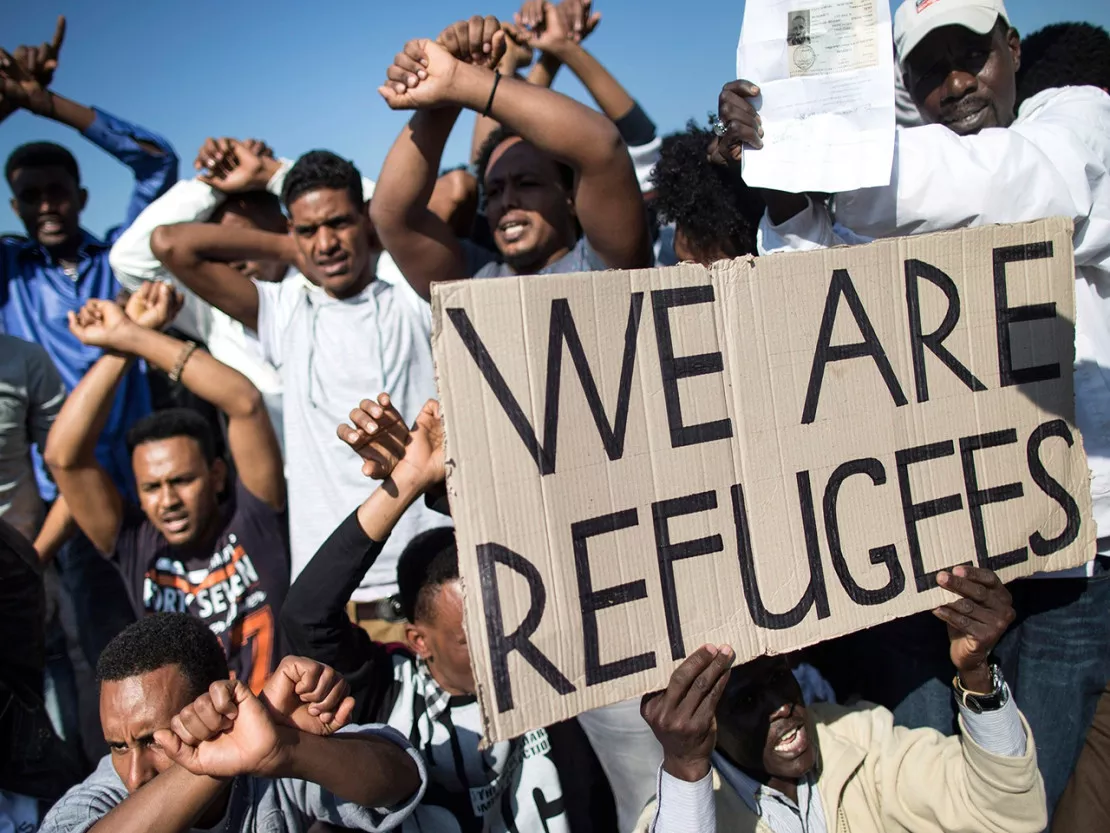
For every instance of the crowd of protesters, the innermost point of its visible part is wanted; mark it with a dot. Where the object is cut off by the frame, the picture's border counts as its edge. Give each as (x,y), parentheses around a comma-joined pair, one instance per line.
(229,584)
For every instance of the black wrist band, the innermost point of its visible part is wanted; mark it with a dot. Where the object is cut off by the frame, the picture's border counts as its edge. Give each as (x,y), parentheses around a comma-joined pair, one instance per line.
(492,93)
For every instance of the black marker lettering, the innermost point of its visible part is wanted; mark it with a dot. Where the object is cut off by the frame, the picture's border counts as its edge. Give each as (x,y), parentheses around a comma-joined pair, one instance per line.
(684,367)
(1051,487)
(562,329)
(668,553)
(916,269)
(841,285)
(978,498)
(1006,315)
(887,554)
(815,593)
(594,600)
(500,644)
(914,512)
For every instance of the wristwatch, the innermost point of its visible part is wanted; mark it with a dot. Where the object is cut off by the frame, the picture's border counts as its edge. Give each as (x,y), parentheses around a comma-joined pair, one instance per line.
(978,702)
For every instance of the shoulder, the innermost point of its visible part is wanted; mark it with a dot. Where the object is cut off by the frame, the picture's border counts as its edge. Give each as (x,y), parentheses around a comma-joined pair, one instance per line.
(862,723)
(86,803)
(251,509)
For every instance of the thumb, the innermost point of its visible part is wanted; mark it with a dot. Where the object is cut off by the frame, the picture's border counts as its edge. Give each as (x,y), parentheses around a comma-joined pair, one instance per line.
(177,751)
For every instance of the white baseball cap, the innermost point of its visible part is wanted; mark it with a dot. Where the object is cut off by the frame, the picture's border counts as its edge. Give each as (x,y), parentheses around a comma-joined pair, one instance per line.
(917,18)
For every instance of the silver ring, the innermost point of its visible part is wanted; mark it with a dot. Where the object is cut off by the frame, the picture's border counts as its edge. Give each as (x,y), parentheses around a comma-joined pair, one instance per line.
(719,128)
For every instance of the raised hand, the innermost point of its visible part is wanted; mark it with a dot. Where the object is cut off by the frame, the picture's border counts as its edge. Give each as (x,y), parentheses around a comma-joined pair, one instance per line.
(223,733)
(421,76)
(976,622)
(41,62)
(154,305)
(579,18)
(551,32)
(739,120)
(684,716)
(100,324)
(235,167)
(20,89)
(518,52)
(391,449)
(309,696)
(478,40)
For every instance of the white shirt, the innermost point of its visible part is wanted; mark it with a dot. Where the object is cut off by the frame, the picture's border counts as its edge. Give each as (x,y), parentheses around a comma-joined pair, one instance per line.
(1053,161)
(688,806)
(192,201)
(331,355)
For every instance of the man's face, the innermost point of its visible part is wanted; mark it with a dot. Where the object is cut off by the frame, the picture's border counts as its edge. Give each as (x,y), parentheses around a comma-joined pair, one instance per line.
(530,213)
(442,641)
(333,235)
(49,202)
(762,724)
(269,271)
(178,489)
(964,80)
(797,29)
(131,711)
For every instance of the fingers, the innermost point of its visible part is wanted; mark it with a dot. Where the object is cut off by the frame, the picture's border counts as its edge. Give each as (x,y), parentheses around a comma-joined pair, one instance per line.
(696,678)
(59,36)
(175,750)
(207,716)
(977,584)
(475,36)
(405,71)
(343,713)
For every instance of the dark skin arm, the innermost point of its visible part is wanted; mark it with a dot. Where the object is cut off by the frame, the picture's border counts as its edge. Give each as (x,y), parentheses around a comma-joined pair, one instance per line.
(608,201)
(198,254)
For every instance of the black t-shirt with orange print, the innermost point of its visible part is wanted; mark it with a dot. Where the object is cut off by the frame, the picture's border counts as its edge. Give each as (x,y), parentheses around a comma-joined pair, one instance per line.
(236,588)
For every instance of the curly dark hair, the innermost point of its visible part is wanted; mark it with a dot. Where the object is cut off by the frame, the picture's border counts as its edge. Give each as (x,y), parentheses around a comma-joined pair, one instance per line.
(321,169)
(173,422)
(703,200)
(165,639)
(430,561)
(42,155)
(1063,55)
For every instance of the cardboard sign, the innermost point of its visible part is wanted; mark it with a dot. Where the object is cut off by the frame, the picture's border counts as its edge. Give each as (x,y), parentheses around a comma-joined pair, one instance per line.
(768,453)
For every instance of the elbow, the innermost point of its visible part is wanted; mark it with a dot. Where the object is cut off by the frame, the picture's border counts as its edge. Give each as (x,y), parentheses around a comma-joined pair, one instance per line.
(165,244)
(57,457)
(386,219)
(247,402)
(609,146)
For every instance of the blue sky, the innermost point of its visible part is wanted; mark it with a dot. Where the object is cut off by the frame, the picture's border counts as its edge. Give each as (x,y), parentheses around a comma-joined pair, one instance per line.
(303,75)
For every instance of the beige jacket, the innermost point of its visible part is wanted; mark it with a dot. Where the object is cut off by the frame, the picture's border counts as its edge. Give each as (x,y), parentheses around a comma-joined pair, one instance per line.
(876,777)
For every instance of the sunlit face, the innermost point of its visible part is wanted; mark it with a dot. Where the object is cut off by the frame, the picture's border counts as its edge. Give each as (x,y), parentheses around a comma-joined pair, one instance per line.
(964,80)
(178,489)
(131,711)
(48,201)
(762,724)
(334,237)
(530,211)
(441,640)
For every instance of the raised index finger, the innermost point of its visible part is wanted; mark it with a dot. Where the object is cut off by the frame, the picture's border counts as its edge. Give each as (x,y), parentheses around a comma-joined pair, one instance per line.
(59,35)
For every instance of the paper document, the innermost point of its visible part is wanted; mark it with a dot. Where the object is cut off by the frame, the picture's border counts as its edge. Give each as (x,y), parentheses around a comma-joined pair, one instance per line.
(826,76)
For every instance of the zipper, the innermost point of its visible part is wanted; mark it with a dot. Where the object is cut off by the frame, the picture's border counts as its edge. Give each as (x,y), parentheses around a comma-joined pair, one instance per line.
(841,820)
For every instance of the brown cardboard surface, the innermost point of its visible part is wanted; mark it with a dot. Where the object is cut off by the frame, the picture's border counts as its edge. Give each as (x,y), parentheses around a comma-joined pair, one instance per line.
(713,493)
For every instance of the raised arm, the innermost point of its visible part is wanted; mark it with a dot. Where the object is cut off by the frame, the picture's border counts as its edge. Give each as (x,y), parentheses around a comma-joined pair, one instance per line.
(423,245)
(313,617)
(89,492)
(150,157)
(199,255)
(608,201)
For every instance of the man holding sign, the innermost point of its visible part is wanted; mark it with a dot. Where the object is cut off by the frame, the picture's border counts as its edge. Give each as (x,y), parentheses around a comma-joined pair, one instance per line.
(743,752)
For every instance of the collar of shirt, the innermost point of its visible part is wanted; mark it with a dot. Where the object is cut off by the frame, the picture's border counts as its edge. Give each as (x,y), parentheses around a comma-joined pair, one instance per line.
(90,246)
(775,808)
(436,699)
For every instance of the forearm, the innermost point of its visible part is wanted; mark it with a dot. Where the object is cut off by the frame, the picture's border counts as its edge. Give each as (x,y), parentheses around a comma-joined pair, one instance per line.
(6,108)
(362,769)
(172,803)
(213,381)
(58,528)
(194,243)
(543,71)
(611,97)
(380,512)
(72,440)
(62,110)
(555,124)
(410,171)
